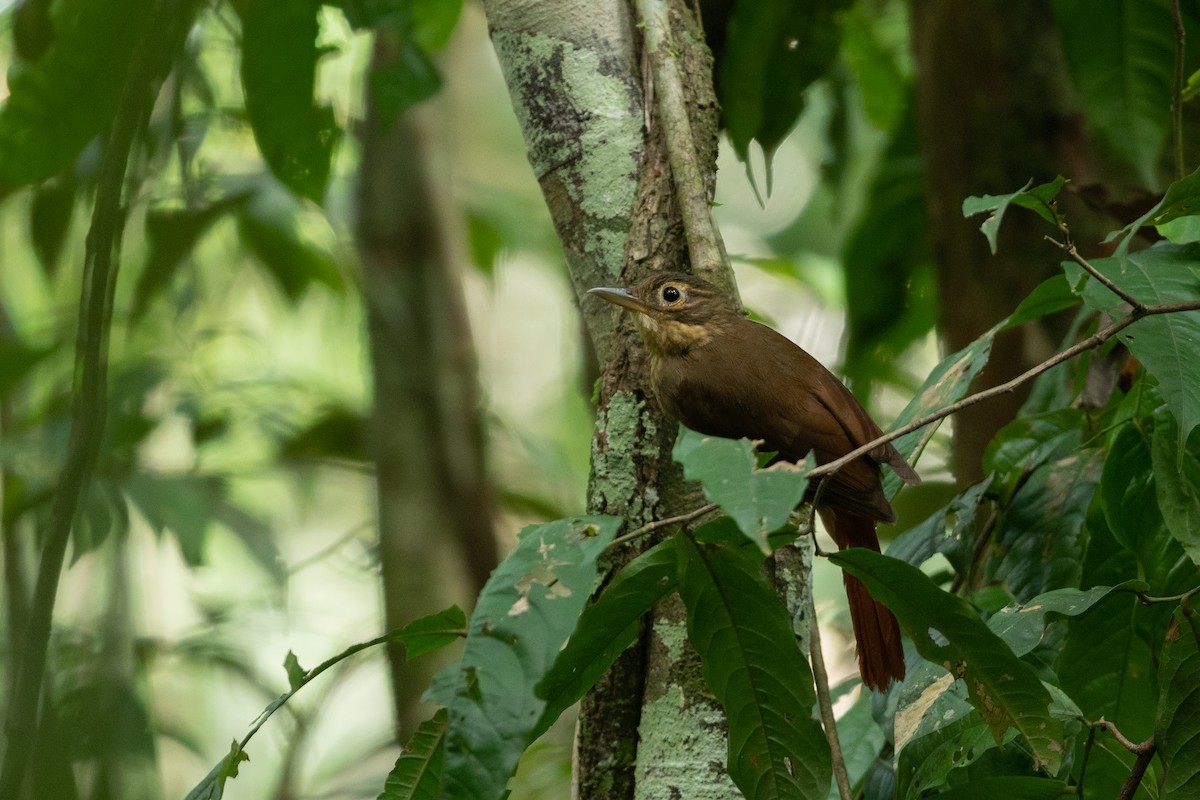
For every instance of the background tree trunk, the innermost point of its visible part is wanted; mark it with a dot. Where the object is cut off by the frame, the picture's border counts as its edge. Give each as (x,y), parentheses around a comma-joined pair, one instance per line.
(436,540)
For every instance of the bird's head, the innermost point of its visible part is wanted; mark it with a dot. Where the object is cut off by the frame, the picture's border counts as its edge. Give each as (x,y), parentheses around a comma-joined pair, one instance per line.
(674,312)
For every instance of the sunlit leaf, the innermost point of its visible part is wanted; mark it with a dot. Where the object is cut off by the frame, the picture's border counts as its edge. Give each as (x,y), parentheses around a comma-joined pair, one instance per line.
(760,501)
(947,631)
(528,608)
(417,774)
(753,665)
(606,627)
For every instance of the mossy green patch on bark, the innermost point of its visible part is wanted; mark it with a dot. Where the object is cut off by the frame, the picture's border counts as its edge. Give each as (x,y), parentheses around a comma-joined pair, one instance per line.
(685,756)
(625,434)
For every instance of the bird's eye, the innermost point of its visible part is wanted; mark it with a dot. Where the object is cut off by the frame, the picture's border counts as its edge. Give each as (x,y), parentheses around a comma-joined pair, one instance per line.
(671,294)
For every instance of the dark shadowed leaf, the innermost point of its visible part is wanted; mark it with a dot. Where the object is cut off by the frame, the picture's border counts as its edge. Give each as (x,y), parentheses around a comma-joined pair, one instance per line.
(1177,724)
(773,52)
(17,360)
(1166,343)
(1121,56)
(949,531)
(606,627)
(528,608)
(753,665)
(1177,483)
(182,504)
(947,631)
(50,213)
(58,104)
(276,228)
(759,501)
(1012,787)
(338,432)
(279,61)
(417,774)
(1048,297)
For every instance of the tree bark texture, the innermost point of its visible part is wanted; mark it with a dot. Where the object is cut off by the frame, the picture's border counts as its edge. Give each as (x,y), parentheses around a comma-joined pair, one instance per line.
(994,109)
(437,544)
(576,75)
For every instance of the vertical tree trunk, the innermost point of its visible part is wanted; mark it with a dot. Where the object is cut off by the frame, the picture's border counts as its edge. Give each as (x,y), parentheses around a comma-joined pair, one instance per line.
(575,73)
(435,508)
(994,109)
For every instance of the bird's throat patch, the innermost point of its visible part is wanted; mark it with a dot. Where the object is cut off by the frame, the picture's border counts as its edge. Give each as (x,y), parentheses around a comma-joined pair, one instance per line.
(670,335)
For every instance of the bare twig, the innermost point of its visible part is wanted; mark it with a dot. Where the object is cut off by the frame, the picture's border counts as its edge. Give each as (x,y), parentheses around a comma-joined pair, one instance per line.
(151,62)
(649,527)
(1143,750)
(1093,341)
(704,243)
(1069,248)
(824,701)
(1175,598)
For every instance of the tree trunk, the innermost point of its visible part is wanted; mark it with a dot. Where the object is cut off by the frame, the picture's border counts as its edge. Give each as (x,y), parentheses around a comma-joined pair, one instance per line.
(435,507)
(995,109)
(575,73)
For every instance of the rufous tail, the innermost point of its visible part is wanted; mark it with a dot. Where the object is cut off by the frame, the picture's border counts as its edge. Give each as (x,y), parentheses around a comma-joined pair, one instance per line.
(880,652)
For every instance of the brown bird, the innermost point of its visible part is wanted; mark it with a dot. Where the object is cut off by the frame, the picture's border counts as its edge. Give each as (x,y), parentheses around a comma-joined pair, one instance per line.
(722,374)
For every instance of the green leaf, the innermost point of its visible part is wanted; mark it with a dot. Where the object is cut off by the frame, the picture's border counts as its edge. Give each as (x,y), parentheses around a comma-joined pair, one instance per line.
(753,665)
(279,231)
(296,673)
(1177,483)
(1028,442)
(182,504)
(1002,688)
(1023,626)
(171,235)
(405,80)
(17,361)
(1121,56)
(1040,199)
(1164,343)
(58,104)
(50,213)
(1182,199)
(1127,490)
(279,61)
(212,787)
(884,86)
(759,501)
(524,614)
(417,774)
(773,52)
(1049,297)
(947,384)
(950,531)
(432,632)
(605,629)
(1041,534)
(1010,787)
(1177,723)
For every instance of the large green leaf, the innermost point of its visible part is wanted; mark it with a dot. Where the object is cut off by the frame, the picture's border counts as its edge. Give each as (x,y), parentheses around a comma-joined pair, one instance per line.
(947,384)
(1164,343)
(949,531)
(1023,626)
(1040,534)
(1003,689)
(1177,724)
(1121,56)
(754,667)
(773,51)
(1177,483)
(417,774)
(605,629)
(59,103)
(524,614)
(279,61)
(759,501)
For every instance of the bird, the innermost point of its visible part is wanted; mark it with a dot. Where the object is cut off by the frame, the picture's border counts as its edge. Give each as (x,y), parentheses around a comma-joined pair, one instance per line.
(723,374)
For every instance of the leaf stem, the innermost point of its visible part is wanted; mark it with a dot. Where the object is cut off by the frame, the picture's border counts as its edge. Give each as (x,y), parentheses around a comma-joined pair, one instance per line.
(1175,598)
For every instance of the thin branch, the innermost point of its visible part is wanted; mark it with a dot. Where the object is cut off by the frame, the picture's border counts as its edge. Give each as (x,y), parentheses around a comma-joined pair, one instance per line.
(649,527)
(150,64)
(704,243)
(1175,598)
(1134,779)
(1070,249)
(824,701)
(1137,748)
(1093,341)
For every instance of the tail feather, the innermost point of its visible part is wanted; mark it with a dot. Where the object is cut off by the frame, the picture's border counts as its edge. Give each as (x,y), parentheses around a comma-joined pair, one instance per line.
(880,651)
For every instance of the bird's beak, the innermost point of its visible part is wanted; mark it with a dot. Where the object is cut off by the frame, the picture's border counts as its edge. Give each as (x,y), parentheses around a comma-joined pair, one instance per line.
(620,297)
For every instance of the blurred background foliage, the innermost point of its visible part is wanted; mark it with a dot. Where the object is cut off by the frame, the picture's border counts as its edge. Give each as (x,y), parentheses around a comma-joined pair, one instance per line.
(233,513)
